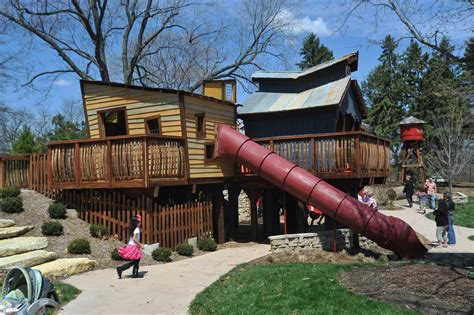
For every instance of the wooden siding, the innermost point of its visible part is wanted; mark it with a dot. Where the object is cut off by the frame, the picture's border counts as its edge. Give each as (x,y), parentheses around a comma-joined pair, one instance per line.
(214,114)
(140,105)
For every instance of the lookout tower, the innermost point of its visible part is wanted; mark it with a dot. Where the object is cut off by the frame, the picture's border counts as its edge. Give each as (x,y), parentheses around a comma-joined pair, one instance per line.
(412,135)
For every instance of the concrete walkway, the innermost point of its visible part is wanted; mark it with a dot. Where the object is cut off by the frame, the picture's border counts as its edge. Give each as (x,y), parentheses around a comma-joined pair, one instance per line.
(421,224)
(165,288)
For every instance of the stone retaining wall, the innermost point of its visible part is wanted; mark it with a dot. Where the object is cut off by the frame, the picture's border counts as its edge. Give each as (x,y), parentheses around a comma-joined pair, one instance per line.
(320,240)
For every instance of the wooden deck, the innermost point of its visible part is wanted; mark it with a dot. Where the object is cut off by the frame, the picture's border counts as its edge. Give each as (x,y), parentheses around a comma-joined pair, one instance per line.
(332,155)
(117,162)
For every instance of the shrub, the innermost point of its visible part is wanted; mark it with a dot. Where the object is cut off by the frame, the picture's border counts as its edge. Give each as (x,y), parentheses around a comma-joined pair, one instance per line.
(79,246)
(391,194)
(115,256)
(161,254)
(57,210)
(98,230)
(185,249)
(52,228)
(207,244)
(9,192)
(11,204)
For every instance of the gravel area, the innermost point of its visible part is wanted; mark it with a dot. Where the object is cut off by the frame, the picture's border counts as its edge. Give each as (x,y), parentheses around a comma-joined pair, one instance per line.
(36,213)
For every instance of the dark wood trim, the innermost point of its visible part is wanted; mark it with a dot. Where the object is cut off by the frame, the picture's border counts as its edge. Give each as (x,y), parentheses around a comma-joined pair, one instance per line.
(150,89)
(184,134)
(200,134)
(84,106)
(147,129)
(111,110)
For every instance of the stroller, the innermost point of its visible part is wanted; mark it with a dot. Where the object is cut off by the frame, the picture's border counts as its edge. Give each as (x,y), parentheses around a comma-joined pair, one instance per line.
(26,292)
(424,202)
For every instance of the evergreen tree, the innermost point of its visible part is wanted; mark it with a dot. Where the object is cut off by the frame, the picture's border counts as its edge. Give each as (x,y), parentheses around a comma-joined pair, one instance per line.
(469,56)
(313,52)
(26,143)
(66,130)
(412,69)
(383,92)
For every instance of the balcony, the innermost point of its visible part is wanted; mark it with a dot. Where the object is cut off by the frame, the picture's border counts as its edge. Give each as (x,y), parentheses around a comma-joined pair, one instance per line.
(332,155)
(117,162)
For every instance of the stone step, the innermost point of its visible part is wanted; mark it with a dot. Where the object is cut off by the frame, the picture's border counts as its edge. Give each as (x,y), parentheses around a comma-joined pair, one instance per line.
(66,267)
(6,223)
(27,259)
(18,245)
(14,231)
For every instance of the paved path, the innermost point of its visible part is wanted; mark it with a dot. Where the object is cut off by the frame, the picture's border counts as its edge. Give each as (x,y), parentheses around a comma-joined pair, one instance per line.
(165,289)
(421,224)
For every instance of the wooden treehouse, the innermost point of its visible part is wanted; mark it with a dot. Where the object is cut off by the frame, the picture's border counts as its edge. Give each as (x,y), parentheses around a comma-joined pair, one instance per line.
(152,151)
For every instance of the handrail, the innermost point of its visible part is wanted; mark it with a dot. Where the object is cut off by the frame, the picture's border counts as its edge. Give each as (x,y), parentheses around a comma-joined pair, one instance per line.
(321,135)
(126,137)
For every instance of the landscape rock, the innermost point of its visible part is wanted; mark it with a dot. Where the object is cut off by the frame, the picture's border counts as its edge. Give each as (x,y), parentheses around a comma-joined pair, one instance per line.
(28,259)
(6,223)
(14,231)
(18,245)
(66,267)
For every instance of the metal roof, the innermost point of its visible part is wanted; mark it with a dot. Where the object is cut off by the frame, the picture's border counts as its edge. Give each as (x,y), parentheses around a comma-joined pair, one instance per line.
(297,74)
(411,120)
(324,95)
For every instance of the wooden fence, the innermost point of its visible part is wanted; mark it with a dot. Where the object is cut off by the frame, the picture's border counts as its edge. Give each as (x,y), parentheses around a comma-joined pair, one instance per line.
(168,225)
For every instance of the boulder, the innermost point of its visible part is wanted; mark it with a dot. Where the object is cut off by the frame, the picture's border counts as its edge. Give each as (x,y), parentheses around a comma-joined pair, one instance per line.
(27,259)
(14,231)
(18,245)
(6,223)
(66,267)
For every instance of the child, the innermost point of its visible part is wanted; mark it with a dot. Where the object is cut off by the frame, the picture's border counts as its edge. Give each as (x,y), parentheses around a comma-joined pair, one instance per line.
(132,251)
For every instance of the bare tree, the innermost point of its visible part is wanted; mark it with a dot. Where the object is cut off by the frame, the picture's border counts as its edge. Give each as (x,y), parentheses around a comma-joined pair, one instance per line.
(450,146)
(425,22)
(154,43)
(11,123)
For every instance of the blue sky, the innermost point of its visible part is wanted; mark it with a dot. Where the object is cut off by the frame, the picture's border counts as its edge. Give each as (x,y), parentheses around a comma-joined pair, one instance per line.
(362,32)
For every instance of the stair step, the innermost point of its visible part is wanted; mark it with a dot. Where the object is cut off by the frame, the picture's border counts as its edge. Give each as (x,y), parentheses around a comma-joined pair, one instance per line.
(14,231)
(6,223)
(18,245)
(27,259)
(66,267)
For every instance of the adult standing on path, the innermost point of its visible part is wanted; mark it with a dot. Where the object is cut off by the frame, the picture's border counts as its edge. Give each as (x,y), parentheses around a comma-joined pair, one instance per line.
(441,218)
(409,190)
(451,207)
(431,190)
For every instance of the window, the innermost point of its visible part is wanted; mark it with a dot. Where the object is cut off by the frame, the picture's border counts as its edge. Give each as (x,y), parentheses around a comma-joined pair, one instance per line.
(200,126)
(113,122)
(209,151)
(153,125)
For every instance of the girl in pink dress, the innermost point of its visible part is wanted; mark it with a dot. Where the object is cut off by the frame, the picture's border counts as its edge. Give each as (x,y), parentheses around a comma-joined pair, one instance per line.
(132,251)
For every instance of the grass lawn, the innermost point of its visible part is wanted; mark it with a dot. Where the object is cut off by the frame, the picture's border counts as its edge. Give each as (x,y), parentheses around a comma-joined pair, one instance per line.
(464,214)
(289,288)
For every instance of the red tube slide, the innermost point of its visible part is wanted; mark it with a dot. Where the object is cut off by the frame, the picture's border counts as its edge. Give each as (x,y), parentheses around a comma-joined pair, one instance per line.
(388,232)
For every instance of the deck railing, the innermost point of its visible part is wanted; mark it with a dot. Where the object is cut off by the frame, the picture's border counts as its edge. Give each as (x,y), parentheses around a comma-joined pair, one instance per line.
(115,162)
(333,155)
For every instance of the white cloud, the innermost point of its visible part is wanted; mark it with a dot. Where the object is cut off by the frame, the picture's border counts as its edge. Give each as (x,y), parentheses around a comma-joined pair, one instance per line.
(62,82)
(297,25)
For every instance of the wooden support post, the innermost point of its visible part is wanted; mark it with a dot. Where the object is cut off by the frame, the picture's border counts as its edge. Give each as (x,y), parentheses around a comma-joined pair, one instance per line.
(291,213)
(252,194)
(218,215)
(271,218)
(233,211)
(2,173)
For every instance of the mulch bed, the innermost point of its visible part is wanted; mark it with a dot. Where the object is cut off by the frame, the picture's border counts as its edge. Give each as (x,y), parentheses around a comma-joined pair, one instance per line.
(431,289)
(36,213)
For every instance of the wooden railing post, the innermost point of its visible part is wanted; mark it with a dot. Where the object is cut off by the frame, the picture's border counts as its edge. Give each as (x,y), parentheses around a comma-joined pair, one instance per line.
(109,175)
(145,162)
(50,168)
(313,155)
(30,170)
(358,162)
(77,164)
